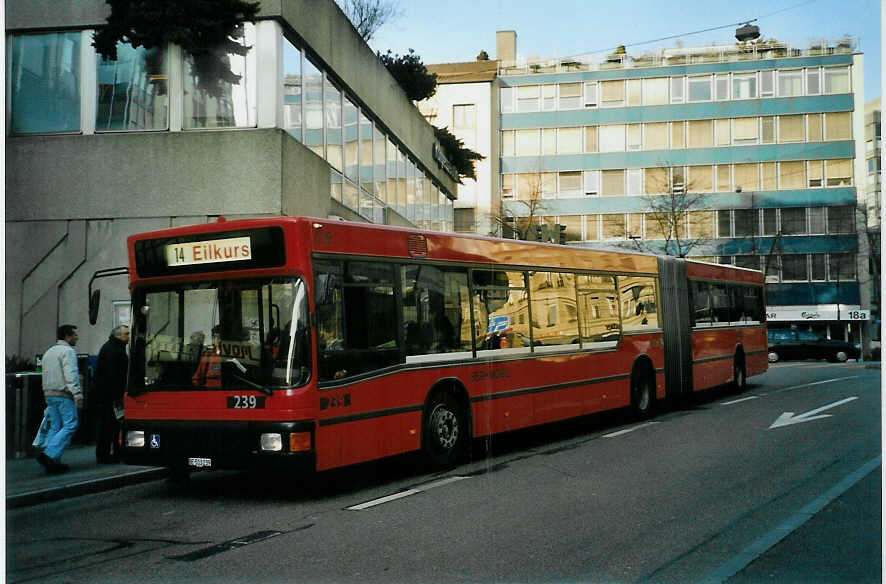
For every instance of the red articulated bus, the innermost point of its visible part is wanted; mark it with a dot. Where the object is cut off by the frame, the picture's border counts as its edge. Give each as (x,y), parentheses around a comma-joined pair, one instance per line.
(322,343)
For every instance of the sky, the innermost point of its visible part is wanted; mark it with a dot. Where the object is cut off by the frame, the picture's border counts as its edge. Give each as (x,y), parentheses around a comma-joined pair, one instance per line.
(457,30)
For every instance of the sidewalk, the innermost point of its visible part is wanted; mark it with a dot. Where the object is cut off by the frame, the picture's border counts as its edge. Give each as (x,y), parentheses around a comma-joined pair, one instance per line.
(28,484)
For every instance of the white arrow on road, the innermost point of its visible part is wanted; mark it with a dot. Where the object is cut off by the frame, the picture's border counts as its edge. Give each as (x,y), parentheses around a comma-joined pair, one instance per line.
(788,418)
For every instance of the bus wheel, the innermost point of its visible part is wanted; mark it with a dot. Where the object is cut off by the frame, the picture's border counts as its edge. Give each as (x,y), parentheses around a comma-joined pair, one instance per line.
(739,376)
(444,433)
(642,394)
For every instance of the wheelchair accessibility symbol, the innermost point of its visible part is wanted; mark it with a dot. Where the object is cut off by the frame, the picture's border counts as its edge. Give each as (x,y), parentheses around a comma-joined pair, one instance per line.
(155,440)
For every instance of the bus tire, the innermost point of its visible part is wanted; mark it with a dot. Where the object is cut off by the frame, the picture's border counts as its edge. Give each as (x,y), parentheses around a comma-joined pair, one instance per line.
(642,393)
(739,374)
(444,431)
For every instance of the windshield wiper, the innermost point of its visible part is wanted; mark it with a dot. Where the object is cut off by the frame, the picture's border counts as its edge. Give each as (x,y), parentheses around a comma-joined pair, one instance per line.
(262,388)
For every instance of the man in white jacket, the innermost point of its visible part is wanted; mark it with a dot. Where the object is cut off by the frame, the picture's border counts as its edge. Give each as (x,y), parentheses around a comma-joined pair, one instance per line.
(64,397)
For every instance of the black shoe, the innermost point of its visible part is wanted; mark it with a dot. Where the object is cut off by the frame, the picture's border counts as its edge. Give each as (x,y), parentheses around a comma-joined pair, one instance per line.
(45,460)
(58,468)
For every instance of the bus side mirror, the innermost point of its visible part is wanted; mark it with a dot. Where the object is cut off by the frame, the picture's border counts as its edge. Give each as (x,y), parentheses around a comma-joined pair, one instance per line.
(94,301)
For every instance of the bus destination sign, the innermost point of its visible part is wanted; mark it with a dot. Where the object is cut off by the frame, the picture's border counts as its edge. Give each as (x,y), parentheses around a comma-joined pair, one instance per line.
(191,253)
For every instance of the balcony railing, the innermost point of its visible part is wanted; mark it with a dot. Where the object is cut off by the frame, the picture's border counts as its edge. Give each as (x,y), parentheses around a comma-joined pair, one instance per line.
(677,56)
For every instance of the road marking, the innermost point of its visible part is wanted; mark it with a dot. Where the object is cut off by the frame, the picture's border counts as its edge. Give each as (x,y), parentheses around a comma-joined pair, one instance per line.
(817,383)
(738,401)
(622,432)
(763,544)
(406,493)
(788,418)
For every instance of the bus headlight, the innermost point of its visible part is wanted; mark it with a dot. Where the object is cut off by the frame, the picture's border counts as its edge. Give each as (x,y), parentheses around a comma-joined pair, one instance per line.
(273,442)
(135,438)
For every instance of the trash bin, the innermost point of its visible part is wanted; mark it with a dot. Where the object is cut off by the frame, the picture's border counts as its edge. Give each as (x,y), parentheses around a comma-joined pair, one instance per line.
(24,412)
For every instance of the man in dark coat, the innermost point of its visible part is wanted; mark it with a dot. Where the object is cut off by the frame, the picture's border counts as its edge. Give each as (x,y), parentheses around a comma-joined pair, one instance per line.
(110,383)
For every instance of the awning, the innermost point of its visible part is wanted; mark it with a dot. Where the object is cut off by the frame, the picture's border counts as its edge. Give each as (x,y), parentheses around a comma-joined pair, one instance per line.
(817,312)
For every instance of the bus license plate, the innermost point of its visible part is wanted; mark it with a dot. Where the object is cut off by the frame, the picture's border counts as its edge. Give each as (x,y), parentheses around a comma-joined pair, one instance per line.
(200,462)
(246,402)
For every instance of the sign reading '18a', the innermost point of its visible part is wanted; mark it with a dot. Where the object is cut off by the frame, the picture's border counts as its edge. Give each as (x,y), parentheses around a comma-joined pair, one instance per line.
(234,249)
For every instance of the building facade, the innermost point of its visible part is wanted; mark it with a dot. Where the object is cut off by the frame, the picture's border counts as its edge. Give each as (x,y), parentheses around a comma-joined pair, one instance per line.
(742,154)
(97,150)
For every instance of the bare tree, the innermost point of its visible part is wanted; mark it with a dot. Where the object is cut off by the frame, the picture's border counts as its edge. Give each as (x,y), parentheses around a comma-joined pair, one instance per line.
(523,214)
(368,16)
(669,214)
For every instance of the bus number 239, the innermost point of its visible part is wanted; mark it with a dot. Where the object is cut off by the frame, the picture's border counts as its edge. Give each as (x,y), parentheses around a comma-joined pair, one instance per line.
(246,402)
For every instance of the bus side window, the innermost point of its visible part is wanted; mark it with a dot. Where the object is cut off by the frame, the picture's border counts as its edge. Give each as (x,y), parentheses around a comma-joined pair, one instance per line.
(598,311)
(638,306)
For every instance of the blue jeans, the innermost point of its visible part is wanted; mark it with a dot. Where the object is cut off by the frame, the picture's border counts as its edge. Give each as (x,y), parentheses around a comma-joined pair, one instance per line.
(62,413)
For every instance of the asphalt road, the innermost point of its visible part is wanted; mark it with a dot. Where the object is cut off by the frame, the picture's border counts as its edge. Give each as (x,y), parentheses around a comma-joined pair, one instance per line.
(778,484)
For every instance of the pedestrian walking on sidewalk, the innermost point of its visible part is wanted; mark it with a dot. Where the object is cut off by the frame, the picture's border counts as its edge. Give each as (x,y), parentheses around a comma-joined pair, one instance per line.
(61,388)
(110,384)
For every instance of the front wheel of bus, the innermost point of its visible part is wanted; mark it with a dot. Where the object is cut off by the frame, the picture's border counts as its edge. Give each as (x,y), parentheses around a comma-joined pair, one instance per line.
(739,376)
(444,433)
(642,395)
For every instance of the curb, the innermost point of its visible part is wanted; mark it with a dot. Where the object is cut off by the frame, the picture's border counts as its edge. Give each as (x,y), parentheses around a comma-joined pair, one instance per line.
(29,498)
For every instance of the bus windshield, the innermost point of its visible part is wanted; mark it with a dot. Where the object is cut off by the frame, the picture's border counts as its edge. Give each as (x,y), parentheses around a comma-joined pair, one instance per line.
(230,334)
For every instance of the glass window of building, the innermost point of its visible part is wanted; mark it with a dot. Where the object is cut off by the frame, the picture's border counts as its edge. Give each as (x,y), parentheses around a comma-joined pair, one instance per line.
(790,82)
(655,136)
(612,93)
(634,137)
(612,138)
(527,143)
(332,113)
(592,182)
(793,221)
(569,141)
(421,199)
(813,128)
(592,227)
(723,131)
(570,96)
(721,86)
(548,185)
(43,83)
(678,178)
(838,173)
(635,226)
(678,134)
(748,261)
(507,143)
(410,190)
(365,152)
(401,182)
(815,174)
(767,83)
(635,181)
(312,82)
(701,133)
(701,224)
(746,176)
(677,89)
(613,183)
(527,98)
(817,221)
(744,86)
(768,175)
(818,267)
(841,267)
(767,131)
(813,81)
(548,141)
(292,90)
(745,130)
(590,92)
(591,139)
(655,180)
(507,186)
(235,105)
(701,179)
(840,219)
(351,196)
(746,222)
(573,225)
(656,226)
(613,225)
(655,91)
(724,223)
(837,126)
(635,92)
(464,116)
(570,183)
(699,88)
(791,129)
(132,90)
(378,155)
(506,100)
(792,175)
(528,186)
(391,172)
(336,183)
(793,268)
(770,221)
(836,79)
(548,98)
(350,116)
(724,178)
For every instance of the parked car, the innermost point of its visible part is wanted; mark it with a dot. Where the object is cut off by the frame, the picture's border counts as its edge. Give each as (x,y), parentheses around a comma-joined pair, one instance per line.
(791,344)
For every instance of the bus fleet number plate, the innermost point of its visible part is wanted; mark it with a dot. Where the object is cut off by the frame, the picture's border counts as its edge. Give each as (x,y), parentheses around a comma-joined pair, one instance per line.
(246,402)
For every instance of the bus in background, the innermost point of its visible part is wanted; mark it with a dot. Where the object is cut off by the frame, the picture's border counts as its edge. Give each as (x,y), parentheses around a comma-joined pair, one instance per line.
(322,343)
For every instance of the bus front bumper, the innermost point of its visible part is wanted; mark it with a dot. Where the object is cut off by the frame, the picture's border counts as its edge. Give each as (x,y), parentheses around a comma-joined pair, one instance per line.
(199,445)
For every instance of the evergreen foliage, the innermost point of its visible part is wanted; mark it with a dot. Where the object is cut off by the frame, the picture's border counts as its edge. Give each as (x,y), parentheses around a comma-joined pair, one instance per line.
(461,158)
(205,30)
(411,74)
